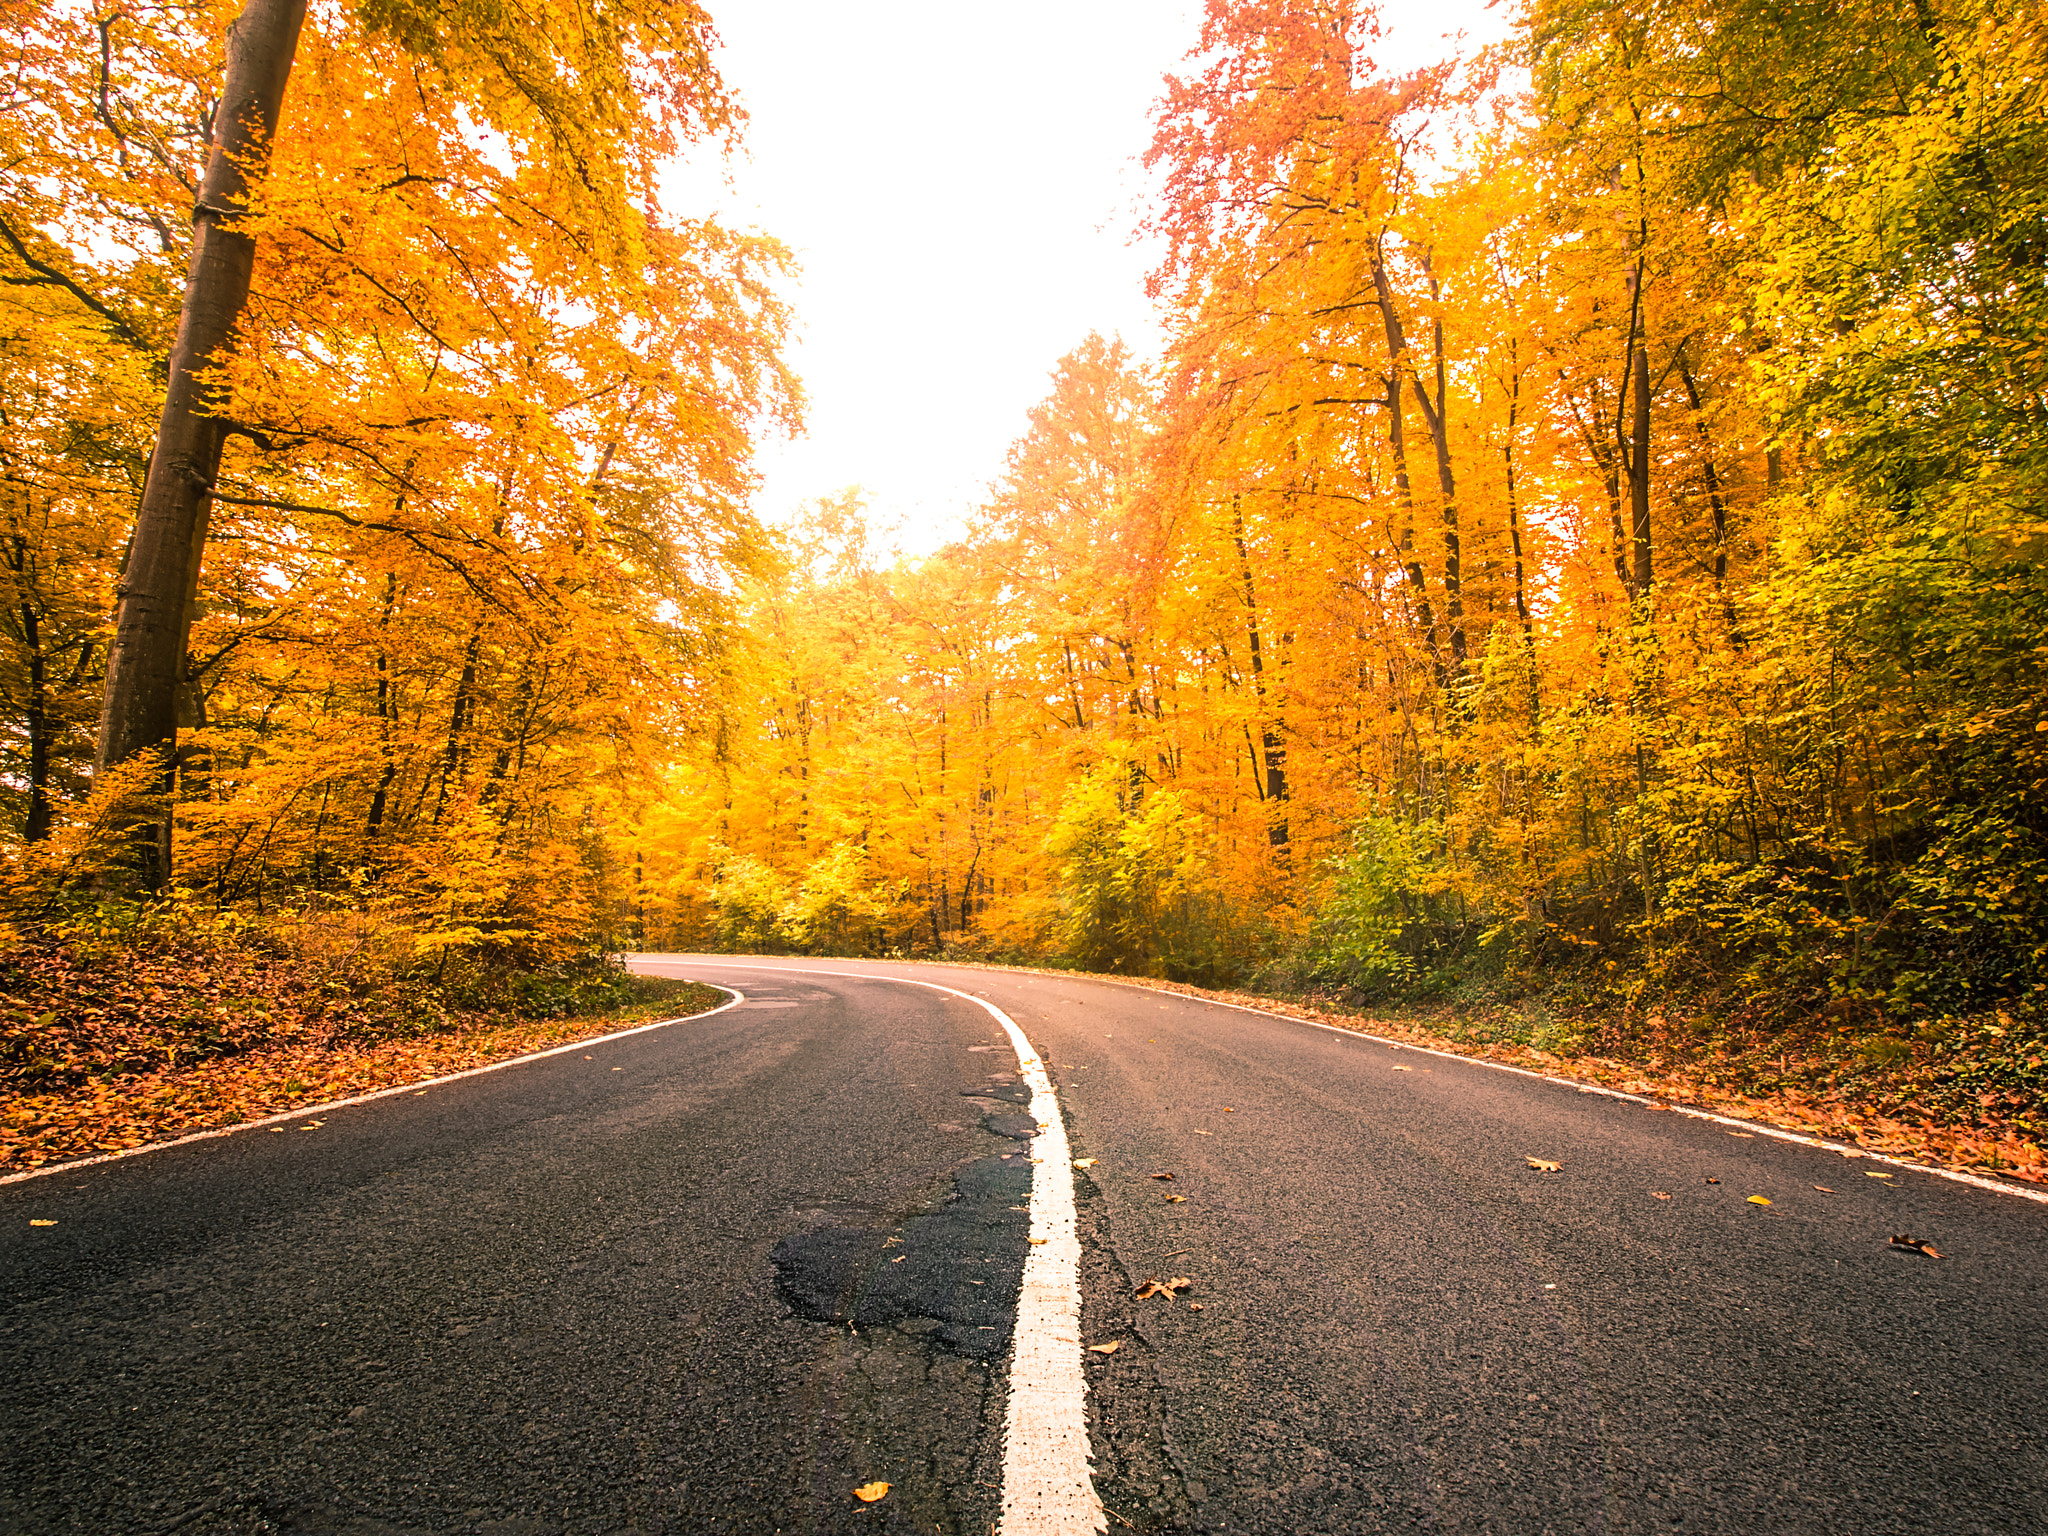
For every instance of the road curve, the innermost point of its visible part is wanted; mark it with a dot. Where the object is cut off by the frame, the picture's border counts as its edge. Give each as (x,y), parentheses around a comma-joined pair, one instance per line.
(714,1277)
(1404,1325)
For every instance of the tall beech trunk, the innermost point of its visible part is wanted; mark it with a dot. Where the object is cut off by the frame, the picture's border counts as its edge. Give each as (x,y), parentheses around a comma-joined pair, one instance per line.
(1717,504)
(1398,370)
(145,662)
(1274,789)
(1639,475)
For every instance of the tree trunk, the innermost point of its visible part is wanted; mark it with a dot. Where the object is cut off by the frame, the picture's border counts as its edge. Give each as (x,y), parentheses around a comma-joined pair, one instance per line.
(1717,505)
(1639,475)
(40,729)
(1397,439)
(1275,790)
(145,663)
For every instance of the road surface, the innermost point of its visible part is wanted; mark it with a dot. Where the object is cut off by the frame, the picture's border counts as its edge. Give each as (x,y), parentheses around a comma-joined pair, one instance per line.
(715,1276)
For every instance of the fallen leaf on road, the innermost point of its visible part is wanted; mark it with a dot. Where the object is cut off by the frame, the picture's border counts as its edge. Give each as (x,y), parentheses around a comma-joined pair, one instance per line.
(1744,1135)
(1084,1162)
(1877,1175)
(1194,1306)
(1823,1189)
(899,1258)
(1106,1349)
(1228,1110)
(1713,1181)
(38,1221)
(1157,1287)
(1658,1104)
(1544,1165)
(312,1125)
(867,1493)
(1659,1194)
(1847,1153)
(1404,1069)
(1176,1199)
(1758,1200)
(1205,1133)
(1917,1244)
(1158,1175)
(1040,1242)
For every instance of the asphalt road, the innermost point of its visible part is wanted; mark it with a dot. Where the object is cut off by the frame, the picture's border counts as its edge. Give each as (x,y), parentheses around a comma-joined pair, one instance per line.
(715,1276)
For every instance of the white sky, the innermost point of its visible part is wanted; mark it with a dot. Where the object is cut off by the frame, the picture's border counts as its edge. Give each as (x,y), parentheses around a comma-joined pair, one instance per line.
(959,182)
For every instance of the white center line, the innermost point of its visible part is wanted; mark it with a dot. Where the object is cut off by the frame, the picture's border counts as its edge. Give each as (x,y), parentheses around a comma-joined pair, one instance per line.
(1048,1489)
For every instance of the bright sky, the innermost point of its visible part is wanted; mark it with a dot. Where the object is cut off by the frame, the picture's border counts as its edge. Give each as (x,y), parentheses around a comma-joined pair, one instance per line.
(959,182)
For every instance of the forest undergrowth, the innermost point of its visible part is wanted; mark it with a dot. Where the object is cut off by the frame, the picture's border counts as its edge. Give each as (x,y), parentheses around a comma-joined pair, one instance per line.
(120,1036)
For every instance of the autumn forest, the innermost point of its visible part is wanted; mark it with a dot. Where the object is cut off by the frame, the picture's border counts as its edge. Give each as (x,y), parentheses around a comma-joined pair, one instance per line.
(1580,563)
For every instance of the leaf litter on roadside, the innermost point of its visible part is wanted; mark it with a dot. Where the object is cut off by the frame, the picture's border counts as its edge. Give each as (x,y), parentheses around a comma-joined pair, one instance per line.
(1917,1244)
(1158,1175)
(1544,1165)
(868,1493)
(1176,1199)
(1106,1349)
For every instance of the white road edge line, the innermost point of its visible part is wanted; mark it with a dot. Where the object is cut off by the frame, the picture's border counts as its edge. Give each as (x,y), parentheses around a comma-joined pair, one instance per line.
(1753,1127)
(381,1093)
(1048,1488)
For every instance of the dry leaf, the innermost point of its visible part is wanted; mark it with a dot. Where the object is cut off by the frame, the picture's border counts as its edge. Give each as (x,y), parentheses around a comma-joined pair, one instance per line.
(1228,1110)
(1758,1200)
(1084,1162)
(1205,1133)
(38,1221)
(1404,1069)
(1159,1175)
(1660,1194)
(1154,1286)
(1544,1165)
(1745,1135)
(1040,1242)
(1106,1349)
(1658,1104)
(1713,1181)
(899,1258)
(1851,1153)
(1823,1189)
(1917,1244)
(867,1493)
(1176,1199)
(1194,1306)
(1877,1175)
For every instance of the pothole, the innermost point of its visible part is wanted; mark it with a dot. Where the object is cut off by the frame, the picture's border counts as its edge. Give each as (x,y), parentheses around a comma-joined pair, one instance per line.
(950,1274)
